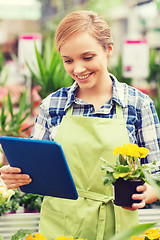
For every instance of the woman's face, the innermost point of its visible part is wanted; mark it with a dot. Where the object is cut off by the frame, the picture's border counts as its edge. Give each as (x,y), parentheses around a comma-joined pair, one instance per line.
(85,60)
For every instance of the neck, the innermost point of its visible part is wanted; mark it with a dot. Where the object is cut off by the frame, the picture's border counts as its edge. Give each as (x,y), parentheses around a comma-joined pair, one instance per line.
(97,96)
(102,88)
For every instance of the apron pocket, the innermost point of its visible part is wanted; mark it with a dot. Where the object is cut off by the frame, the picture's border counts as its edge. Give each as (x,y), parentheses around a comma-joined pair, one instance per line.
(52,223)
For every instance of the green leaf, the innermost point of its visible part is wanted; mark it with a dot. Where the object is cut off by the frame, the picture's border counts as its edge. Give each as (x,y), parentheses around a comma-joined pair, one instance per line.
(47,52)
(120,175)
(22,106)
(35,76)
(152,183)
(137,230)
(123,169)
(10,105)
(21,234)
(108,180)
(1,237)
(41,65)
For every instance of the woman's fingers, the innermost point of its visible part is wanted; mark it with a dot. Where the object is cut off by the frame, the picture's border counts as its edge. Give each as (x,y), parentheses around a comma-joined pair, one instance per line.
(13,178)
(139,205)
(9,169)
(12,184)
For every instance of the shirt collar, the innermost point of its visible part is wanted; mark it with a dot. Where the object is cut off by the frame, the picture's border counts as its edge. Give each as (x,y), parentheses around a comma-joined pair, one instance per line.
(71,95)
(119,89)
(118,94)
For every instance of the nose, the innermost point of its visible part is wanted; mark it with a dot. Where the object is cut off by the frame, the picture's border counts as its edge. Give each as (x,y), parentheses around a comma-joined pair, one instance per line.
(79,69)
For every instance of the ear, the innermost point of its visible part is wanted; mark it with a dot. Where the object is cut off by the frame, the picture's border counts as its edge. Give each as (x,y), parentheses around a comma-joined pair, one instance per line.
(109,50)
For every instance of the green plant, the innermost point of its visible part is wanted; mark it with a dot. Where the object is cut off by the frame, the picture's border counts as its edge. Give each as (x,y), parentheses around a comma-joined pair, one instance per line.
(2,61)
(5,196)
(31,201)
(117,70)
(12,119)
(156,99)
(3,71)
(154,68)
(15,199)
(50,74)
(137,230)
(128,165)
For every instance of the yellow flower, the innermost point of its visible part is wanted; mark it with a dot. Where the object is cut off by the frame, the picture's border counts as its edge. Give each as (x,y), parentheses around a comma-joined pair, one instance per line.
(132,150)
(29,237)
(138,238)
(152,233)
(117,150)
(39,236)
(143,152)
(151,230)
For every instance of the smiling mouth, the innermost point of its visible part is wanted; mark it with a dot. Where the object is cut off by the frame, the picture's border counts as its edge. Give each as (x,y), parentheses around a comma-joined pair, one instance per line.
(84,76)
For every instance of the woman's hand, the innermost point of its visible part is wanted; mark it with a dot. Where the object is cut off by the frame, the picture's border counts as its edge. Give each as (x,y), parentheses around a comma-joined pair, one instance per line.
(146,195)
(13,178)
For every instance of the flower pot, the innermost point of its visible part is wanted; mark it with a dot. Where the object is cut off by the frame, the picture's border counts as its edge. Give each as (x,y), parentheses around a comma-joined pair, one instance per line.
(123,191)
(30,211)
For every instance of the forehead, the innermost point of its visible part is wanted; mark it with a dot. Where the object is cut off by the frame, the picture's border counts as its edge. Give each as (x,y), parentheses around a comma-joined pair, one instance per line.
(81,42)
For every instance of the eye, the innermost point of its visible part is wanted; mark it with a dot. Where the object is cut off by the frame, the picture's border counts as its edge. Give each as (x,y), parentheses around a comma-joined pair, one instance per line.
(88,58)
(67,61)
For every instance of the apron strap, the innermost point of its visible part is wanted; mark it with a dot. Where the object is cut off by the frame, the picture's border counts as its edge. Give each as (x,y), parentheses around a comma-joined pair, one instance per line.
(119,112)
(94,196)
(103,200)
(69,111)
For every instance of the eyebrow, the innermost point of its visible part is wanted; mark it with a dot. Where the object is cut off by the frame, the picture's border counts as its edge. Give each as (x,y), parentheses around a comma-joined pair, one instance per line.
(83,54)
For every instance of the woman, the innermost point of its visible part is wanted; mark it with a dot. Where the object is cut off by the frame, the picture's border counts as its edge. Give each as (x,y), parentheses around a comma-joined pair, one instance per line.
(89,119)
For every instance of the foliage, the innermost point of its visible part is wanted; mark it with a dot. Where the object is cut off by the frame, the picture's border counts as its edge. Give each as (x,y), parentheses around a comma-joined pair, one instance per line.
(117,71)
(127,234)
(156,99)
(3,72)
(28,235)
(50,74)
(5,196)
(154,69)
(11,121)
(11,203)
(128,165)
(103,6)
(31,201)
(2,60)
(14,202)
(20,234)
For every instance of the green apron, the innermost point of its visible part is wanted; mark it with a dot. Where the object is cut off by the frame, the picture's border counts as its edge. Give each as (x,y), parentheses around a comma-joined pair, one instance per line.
(93,215)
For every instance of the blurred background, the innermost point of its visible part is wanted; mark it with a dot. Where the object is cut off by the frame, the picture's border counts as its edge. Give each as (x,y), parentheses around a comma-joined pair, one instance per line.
(31,68)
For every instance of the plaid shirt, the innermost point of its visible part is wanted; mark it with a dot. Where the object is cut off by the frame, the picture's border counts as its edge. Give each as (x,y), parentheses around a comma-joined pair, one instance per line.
(138,110)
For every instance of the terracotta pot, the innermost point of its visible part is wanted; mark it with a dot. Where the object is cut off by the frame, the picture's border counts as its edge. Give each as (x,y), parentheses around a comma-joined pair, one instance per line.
(123,191)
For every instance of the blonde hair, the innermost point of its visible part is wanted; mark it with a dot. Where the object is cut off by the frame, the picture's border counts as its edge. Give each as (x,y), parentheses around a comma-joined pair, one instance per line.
(81,21)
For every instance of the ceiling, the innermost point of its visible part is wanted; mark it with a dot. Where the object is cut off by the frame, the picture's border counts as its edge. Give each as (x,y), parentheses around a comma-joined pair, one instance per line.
(20,10)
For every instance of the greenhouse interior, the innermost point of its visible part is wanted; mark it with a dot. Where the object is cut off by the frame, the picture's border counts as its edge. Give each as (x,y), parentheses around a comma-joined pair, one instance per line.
(31,69)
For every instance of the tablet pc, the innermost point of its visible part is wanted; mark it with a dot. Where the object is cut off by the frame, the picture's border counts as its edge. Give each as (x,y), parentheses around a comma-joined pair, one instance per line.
(45,162)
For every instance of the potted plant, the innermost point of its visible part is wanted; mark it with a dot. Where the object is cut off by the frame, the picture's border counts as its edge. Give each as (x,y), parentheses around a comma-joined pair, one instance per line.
(128,172)
(31,202)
